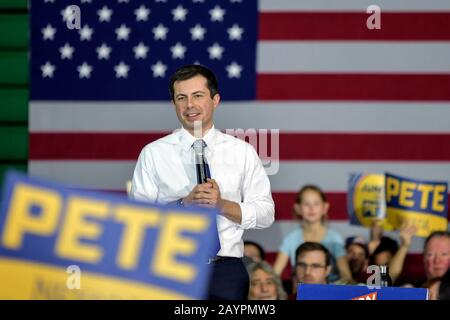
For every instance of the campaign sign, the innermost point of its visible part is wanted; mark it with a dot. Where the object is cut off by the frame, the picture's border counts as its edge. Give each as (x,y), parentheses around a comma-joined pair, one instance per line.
(61,243)
(341,292)
(365,198)
(423,203)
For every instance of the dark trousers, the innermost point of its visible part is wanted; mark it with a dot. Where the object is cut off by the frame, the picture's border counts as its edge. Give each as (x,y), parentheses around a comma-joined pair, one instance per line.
(229,280)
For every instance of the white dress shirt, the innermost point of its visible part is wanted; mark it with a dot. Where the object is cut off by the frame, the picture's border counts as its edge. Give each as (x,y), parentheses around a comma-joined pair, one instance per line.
(165,172)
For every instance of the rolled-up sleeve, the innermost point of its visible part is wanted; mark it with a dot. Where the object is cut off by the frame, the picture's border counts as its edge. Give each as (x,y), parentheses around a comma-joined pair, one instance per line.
(257,206)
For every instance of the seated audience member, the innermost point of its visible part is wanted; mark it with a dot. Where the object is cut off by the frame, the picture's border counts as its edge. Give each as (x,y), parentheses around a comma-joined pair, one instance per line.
(254,251)
(313,264)
(436,254)
(311,208)
(358,258)
(265,284)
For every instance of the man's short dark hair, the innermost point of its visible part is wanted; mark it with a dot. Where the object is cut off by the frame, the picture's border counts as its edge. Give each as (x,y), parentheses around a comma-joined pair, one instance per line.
(436,234)
(261,251)
(313,246)
(190,71)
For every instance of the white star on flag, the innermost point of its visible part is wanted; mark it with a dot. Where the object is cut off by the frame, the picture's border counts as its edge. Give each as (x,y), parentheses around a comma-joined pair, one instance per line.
(197,32)
(159,69)
(160,32)
(84,71)
(123,32)
(47,70)
(234,70)
(178,51)
(104,14)
(235,32)
(67,14)
(179,13)
(103,52)
(48,32)
(215,51)
(121,70)
(142,13)
(217,13)
(85,33)
(86,1)
(66,51)
(140,51)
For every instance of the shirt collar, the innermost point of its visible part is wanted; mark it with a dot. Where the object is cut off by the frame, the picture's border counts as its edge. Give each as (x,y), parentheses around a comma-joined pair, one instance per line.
(187,139)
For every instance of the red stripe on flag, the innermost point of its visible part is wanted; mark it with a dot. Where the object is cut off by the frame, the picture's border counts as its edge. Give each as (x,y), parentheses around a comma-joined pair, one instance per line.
(366,87)
(285,200)
(352,26)
(293,146)
(89,146)
(338,146)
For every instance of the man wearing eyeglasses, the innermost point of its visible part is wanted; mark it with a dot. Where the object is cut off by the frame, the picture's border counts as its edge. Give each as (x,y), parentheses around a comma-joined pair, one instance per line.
(313,264)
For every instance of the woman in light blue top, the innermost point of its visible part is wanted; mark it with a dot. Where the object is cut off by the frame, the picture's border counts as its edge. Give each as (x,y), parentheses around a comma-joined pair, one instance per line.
(311,208)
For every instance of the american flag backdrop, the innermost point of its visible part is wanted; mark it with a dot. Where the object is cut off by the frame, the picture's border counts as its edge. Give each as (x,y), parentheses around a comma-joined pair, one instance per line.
(345,98)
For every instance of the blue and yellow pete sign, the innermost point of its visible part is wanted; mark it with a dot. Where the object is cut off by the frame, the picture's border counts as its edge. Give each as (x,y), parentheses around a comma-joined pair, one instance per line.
(59,243)
(423,203)
(365,198)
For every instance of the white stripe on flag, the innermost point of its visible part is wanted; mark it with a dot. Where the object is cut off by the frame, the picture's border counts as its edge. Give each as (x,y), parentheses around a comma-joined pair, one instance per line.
(353,5)
(320,117)
(353,57)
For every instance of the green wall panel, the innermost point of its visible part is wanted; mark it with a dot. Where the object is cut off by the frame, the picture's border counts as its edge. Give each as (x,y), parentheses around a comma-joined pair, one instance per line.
(14,4)
(14,67)
(13,143)
(13,105)
(13,30)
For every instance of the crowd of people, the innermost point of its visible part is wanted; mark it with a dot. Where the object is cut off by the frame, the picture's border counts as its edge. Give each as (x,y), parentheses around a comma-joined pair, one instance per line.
(318,254)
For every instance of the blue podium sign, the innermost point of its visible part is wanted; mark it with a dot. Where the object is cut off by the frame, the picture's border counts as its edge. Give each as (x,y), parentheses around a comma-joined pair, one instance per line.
(341,292)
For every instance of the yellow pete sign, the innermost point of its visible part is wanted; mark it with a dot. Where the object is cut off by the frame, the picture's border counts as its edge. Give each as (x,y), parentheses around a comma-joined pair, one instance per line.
(59,243)
(424,203)
(365,199)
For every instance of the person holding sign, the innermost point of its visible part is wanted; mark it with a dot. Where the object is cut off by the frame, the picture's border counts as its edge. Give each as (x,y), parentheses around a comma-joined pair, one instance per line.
(229,178)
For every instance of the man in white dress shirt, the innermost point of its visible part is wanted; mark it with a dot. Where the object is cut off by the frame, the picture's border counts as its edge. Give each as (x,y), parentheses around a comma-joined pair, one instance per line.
(240,189)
